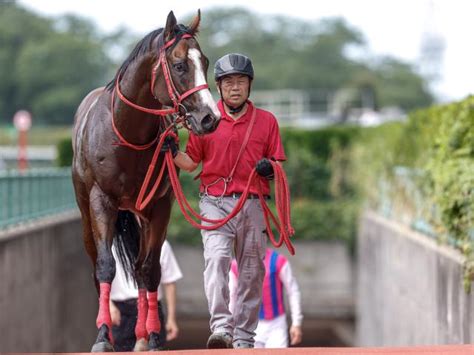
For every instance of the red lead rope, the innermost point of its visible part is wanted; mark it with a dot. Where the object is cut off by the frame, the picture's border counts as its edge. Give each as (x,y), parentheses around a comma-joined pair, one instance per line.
(282,200)
(282,197)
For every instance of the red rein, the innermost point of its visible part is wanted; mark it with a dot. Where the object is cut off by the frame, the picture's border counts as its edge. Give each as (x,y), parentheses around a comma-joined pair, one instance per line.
(282,195)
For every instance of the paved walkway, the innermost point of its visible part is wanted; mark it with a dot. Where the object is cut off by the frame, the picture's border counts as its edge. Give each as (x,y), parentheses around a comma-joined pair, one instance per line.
(425,350)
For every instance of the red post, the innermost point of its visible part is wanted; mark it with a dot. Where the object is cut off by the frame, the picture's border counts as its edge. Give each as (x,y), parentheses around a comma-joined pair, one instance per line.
(22,155)
(22,122)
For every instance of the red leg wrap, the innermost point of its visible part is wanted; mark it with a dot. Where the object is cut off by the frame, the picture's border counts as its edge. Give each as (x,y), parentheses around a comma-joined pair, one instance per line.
(152,320)
(103,317)
(142,307)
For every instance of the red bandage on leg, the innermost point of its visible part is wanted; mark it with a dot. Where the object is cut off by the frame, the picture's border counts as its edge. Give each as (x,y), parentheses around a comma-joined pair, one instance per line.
(103,317)
(152,320)
(142,307)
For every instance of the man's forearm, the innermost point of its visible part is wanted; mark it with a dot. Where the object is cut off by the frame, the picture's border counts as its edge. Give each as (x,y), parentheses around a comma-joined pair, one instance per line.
(184,161)
(170,295)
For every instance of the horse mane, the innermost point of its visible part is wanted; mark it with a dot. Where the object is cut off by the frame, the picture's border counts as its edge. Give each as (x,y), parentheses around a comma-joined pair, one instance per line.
(144,46)
(141,48)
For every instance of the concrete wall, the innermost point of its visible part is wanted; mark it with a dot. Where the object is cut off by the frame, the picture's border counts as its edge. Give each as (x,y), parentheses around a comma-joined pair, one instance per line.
(47,299)
(409,289)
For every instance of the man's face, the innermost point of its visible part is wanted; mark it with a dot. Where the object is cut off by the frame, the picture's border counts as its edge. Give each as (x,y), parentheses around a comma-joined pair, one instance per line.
(235,89)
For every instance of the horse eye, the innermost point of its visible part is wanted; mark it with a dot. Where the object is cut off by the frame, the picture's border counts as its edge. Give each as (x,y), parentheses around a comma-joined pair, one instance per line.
(180,67)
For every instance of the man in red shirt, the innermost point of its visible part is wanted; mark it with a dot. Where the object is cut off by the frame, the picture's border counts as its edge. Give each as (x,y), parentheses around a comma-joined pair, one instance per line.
(246,137)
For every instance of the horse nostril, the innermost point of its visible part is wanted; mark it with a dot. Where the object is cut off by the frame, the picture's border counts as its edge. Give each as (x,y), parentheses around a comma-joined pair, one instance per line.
(208,123)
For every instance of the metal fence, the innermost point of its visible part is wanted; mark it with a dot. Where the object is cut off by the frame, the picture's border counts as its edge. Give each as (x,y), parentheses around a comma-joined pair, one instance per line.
(34,193)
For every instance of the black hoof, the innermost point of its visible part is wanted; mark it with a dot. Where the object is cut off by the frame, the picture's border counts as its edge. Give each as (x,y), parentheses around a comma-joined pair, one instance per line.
(102,343)
(102,347)
(154,342)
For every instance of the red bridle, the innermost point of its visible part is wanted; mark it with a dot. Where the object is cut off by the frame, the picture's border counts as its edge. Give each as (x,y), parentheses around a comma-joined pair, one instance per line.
(173,93)
(175,96)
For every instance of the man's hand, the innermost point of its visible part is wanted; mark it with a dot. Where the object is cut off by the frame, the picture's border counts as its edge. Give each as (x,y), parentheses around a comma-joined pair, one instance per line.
(171,330)
(265,169)
(114,313)
(296,335)
(170,144)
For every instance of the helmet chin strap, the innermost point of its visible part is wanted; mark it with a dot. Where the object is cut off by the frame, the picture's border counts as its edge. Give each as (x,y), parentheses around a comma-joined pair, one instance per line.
(234,110)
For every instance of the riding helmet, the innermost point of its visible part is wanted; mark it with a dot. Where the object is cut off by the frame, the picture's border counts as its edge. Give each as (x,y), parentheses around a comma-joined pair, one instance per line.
(233,63)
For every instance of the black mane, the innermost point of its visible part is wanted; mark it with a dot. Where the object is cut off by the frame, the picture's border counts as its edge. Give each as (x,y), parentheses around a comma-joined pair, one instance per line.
(143,47)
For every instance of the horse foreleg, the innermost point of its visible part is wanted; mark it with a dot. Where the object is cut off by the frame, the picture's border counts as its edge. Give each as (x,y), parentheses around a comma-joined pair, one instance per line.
(82,198)
(103,217)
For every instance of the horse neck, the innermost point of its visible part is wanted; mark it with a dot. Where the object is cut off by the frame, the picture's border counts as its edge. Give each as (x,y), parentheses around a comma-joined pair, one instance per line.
(138,127)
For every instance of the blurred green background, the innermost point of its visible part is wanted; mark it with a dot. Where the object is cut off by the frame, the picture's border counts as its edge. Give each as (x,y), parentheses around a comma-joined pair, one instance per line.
(418,169)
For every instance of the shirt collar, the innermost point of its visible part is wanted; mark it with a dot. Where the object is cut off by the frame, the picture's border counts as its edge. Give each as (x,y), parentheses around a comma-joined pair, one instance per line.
(243,118)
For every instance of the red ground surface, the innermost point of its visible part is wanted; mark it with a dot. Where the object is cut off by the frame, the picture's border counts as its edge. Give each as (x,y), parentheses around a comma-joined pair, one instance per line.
(425,350)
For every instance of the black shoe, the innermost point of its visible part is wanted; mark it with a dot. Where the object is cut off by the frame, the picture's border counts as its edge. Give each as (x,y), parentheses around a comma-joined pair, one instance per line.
(220,341)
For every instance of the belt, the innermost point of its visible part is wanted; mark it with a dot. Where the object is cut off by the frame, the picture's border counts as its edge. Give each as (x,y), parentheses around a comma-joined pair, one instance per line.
(237,195)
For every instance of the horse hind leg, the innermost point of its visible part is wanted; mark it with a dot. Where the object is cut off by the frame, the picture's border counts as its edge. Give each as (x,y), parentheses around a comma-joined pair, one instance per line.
(148,326)
(141,334)
(151,269)
(127,245)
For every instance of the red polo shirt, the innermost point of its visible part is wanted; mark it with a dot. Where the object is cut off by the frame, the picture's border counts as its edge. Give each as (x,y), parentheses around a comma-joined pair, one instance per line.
(218,150)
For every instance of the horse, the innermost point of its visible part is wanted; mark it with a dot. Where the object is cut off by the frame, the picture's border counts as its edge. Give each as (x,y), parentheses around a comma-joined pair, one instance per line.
(115,128)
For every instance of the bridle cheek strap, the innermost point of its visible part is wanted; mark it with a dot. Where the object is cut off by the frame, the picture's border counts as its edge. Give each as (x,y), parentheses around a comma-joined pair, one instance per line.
(173,93)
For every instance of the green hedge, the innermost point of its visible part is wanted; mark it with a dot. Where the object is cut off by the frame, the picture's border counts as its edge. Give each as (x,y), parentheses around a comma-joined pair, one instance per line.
(312,166)
(323,201)
(64,149)
(312,220)
(319,142)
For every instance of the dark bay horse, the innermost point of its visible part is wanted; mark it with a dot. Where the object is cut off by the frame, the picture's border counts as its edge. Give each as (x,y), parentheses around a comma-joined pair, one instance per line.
(115,130)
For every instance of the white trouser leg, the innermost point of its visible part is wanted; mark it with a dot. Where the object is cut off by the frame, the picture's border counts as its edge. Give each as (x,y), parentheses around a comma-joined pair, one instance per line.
(250,254)
(218,245)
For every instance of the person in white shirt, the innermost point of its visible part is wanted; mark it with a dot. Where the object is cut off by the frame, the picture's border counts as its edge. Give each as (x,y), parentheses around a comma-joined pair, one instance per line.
(124,295)
(272,329)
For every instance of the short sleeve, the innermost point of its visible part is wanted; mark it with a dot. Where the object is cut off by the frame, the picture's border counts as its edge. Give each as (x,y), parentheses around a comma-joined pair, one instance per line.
(275,147)
(170,270)
(194,148)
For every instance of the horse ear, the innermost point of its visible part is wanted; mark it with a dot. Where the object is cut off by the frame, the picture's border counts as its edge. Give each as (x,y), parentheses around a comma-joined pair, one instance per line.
(170,26)
(194,26)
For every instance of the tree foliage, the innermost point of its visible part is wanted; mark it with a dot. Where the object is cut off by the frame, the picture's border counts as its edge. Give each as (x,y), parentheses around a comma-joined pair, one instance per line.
(293,53)
(48,64)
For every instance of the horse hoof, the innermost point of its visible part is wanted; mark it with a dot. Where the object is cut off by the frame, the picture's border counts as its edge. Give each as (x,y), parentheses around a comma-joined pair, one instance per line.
(102,347)
(141,345)
(154,342)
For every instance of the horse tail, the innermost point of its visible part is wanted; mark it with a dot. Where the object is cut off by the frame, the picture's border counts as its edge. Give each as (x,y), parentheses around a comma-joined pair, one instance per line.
(127,242)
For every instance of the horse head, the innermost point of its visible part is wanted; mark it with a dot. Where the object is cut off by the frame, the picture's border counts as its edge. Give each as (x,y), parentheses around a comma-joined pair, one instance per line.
(180,76)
